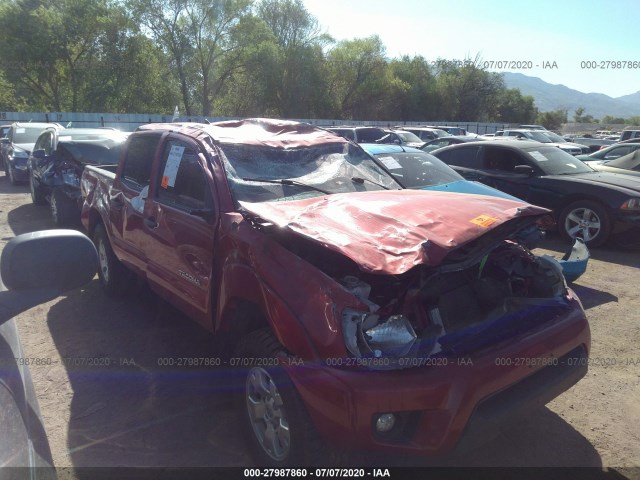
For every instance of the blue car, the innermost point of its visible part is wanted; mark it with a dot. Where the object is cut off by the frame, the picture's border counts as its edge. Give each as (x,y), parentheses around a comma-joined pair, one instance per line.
(416,169)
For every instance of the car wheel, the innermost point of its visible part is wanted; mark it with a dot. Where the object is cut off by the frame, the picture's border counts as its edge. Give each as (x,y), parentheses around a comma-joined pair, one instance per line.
(37,195)
(114,277)
(63,210)
(272,413)
(11,174)
(587,220)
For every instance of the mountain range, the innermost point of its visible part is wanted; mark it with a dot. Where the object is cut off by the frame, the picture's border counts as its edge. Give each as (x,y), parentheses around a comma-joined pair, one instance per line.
(555,97)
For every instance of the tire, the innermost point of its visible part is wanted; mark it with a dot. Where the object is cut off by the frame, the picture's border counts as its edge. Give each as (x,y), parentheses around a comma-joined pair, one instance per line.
(586,219)
(114,277)
(37,195)
(11,175)
(271,407)
(63,209)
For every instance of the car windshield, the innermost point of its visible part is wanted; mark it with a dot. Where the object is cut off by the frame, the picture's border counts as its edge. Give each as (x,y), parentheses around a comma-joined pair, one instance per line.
(258,173)
(27,134)
(408,137)
(553,161)
(418,169)
(554,137)
(538,137)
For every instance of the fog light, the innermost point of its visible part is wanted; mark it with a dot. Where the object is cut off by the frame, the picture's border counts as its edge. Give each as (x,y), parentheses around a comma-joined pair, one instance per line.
(385,422)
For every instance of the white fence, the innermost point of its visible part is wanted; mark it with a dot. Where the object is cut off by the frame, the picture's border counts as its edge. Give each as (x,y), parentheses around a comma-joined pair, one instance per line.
(130,121)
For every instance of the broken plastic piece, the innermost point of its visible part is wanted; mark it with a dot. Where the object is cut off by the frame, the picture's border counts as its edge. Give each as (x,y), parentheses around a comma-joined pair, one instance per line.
(574,262)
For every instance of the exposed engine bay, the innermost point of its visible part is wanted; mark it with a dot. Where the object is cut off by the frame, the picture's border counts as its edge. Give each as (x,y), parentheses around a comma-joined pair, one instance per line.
(457,308)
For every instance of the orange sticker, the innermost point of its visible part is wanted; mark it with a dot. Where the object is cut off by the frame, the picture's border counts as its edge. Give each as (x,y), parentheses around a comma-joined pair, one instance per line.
(484,221)
(165,182)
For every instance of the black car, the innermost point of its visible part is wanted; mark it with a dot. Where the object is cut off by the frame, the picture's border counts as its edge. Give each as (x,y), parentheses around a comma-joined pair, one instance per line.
(57,162)
(586,203)
(35,268)
(445,142)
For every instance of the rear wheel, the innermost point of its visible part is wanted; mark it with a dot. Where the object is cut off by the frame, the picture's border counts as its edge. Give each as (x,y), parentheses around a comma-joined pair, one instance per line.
(585,219)
(114,276)
(273,414)
(63,209)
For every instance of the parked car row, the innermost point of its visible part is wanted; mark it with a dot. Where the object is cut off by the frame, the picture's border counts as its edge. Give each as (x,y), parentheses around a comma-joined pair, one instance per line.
(594,205)
(341,289)
(51,159)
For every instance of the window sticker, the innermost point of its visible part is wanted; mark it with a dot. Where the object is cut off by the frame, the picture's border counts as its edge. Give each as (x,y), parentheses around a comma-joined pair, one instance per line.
(65,138)
(21,130)
(171,168)
(538,156)
(390,162)
(484,221)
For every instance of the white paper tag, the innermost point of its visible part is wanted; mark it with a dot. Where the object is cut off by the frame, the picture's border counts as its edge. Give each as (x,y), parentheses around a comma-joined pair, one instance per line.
(172,166)
(390,162)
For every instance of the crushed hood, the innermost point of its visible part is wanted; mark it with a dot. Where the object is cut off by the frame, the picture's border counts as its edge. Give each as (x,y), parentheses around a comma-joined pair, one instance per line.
(389,232)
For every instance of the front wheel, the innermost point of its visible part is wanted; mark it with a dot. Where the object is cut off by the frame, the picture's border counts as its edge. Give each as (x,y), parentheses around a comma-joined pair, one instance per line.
(273,414)
(11,174)
(37,195)
(587,220)
(114,277)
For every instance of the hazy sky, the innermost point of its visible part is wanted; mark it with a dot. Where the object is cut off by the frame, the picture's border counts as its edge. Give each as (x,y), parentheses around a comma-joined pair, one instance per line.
(534,33)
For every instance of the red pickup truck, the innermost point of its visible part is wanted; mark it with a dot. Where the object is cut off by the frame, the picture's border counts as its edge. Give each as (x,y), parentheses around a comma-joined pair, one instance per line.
(363,316)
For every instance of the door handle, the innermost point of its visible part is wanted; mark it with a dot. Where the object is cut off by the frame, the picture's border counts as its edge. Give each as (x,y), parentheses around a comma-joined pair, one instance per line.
(151,222)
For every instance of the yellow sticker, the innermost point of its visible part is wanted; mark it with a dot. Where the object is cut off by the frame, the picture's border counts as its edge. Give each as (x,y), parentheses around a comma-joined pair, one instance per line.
(484,221)
(165,181)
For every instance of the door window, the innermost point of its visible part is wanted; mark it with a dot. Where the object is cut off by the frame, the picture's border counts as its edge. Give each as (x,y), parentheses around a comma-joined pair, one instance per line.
(182,182)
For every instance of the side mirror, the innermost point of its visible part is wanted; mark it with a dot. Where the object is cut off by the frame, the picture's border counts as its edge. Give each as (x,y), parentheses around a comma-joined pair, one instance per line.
(523,169)
(40,266)
(39,154)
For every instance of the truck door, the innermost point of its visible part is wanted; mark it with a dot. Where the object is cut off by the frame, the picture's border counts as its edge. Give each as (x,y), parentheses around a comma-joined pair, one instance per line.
(180,223)
(127,199)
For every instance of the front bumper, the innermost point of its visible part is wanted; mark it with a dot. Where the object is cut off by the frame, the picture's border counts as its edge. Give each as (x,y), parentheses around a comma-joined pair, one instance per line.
(461,403)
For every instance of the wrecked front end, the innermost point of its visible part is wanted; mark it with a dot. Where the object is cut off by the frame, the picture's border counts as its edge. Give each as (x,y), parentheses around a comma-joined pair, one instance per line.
(423,320)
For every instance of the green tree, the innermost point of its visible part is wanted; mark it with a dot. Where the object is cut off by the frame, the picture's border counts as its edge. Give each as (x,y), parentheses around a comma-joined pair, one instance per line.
(579,116)
(358,76)
(469,92)
(608,119)
(411,95)
(552,120)
(297,79)
(512,107)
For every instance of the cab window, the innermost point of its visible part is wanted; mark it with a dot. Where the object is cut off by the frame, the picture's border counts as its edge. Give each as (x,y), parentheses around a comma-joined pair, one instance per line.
(136,171)
(182,182)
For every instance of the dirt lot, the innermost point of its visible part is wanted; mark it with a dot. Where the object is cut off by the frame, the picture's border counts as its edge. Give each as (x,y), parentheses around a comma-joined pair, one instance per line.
(106,401)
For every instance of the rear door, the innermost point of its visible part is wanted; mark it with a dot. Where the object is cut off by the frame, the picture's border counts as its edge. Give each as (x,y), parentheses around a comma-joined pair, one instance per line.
(180,223)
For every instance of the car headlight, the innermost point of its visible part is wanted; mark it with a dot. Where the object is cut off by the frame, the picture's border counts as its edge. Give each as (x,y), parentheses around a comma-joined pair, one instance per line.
(370,335)
(20,155)
(631,204)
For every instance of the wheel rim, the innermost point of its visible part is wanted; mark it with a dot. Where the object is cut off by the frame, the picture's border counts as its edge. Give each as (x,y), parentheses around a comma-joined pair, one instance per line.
(267,414)
(104,261)
(584,223)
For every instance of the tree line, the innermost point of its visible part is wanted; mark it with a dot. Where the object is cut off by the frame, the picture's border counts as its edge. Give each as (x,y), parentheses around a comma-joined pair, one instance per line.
(228,58)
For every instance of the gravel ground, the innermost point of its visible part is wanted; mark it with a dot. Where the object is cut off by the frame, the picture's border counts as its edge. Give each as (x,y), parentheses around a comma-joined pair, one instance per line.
(107,401)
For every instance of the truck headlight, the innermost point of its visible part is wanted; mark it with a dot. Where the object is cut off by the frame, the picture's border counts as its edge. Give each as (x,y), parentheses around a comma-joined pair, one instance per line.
(371,335)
